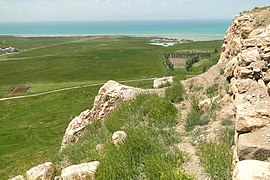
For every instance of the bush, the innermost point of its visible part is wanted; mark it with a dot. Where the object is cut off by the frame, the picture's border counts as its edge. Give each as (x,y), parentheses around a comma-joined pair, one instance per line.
(216,156)
(195,117)
(175,93)
(191,61)
(211,91)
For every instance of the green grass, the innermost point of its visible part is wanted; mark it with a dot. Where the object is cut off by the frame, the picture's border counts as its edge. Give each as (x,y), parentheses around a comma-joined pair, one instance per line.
(149,151)
(216,156)
(176,92)
(195,117)
(83,59)
(31,129)
(212,90)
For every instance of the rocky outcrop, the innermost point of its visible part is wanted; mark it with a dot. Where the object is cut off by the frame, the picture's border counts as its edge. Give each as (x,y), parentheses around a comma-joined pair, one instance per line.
(109,97)
(161,82)
(246,55)
(44,171)
(81,171)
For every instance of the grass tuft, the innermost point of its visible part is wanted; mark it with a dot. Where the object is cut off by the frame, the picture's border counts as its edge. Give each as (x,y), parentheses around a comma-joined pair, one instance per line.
(216,156)
(195,117)
(175,93)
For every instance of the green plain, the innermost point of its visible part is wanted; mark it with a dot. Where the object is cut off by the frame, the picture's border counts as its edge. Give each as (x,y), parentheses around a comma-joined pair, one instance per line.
(31,129)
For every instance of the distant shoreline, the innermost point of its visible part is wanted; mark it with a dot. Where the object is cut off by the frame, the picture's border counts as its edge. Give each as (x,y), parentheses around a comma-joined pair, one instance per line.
(194,37)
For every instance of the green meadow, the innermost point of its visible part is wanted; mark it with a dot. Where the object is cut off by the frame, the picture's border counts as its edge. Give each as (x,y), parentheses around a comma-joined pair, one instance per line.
(31,129)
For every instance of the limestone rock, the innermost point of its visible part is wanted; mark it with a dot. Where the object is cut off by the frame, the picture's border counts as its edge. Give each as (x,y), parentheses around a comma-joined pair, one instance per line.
(250,55)
(241,86)
(266,57)
(75,128)
(109,97)
(85,171)
(255,145)
(100,148)
(163,82)
(44,171)
(266,77)
(252,42)
(256,32)
(243,72)
(252,170)
(118,137)
(20,177)
(205,104)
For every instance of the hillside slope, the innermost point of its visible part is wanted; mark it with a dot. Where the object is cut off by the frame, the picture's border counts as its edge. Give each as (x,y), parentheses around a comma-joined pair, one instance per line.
(243,78)
(134,134)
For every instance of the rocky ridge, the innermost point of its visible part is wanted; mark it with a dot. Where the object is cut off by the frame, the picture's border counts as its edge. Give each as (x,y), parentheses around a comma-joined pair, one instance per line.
(246,52)
(110,95)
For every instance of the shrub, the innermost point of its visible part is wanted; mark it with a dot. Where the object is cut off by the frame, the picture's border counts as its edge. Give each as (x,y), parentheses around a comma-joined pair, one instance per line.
(211,91)
(175,93)
(191,61)
(195,117)
(216,156)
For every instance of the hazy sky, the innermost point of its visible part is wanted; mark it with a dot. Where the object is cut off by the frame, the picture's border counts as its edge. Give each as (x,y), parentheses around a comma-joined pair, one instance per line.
(64,10)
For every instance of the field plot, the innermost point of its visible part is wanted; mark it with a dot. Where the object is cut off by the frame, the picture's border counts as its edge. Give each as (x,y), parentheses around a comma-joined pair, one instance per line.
(31,128)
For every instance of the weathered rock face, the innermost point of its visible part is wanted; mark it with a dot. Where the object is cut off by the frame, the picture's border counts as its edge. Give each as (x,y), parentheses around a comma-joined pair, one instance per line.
(255,145)
(44,171)
(109,97)
(252,170)
(246,53)
(160,82)
(81,171)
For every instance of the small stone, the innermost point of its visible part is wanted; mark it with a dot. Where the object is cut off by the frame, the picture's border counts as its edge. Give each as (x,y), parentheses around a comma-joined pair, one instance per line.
(118,137)
(160,82)
(80,171)
(20,177)
(43,171)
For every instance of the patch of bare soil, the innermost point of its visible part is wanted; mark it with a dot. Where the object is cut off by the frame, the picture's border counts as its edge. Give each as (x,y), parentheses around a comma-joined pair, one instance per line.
(18,89)
(192,166)
(178,61)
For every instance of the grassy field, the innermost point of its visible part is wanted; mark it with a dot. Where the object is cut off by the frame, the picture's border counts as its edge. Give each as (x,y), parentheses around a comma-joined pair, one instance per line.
(31,129)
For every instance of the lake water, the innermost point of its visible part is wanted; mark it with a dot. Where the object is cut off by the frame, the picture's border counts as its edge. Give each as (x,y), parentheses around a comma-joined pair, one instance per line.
(171,27)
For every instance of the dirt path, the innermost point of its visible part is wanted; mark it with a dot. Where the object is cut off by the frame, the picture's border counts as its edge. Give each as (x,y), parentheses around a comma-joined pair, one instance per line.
(70,88)
(192,166)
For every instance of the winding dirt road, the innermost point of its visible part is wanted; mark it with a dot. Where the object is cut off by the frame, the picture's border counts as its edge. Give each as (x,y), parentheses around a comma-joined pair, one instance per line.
(69,88)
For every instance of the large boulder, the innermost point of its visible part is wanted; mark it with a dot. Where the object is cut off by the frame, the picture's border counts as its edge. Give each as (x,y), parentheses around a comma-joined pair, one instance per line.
(252,170)
(85,171)
(109,97)
(44,171)
(161,82)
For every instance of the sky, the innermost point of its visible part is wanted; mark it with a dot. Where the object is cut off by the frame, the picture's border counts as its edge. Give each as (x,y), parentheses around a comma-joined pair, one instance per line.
(96,10)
